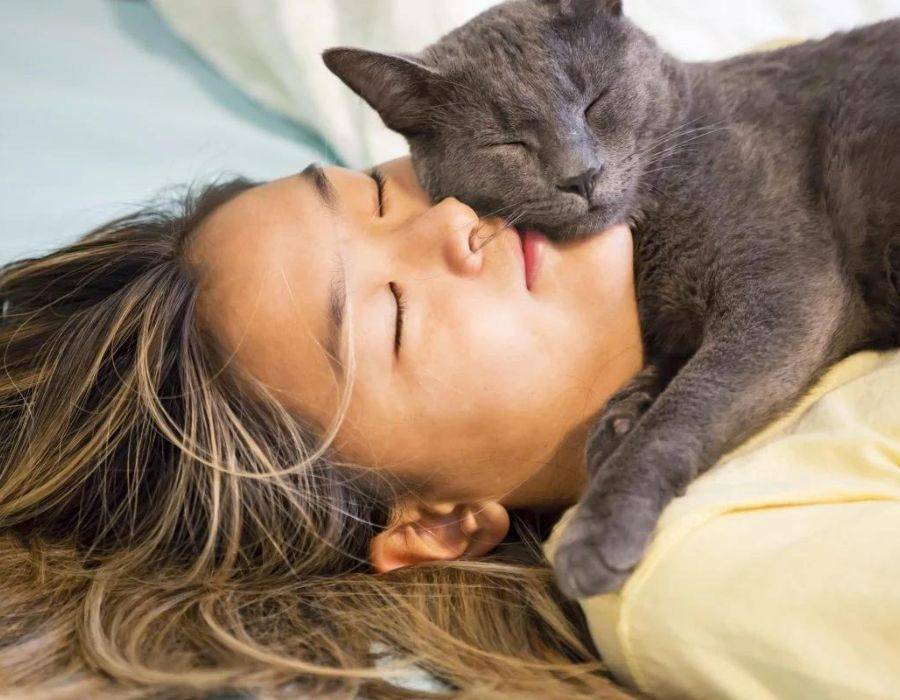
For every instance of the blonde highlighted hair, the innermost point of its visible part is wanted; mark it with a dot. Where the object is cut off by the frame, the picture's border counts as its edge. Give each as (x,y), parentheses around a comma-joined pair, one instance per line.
(167,529)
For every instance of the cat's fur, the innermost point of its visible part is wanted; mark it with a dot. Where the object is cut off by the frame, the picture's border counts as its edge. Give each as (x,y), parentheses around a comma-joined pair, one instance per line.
(764,193)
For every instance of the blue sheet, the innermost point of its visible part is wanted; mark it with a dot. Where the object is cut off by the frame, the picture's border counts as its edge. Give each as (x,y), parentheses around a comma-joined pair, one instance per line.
(101,107)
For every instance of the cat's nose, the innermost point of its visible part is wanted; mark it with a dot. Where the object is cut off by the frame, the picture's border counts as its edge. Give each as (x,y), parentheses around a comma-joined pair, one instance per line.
(583,184)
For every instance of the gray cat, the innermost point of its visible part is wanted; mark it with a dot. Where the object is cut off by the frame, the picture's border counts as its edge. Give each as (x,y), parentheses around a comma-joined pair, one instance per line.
(764,194)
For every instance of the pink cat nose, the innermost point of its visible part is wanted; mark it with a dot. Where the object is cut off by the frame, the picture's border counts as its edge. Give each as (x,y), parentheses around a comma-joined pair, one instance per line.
(583,184)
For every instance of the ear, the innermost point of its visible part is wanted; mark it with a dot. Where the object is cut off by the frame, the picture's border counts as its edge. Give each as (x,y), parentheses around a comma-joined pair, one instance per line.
(399,88)
(613,6)
(579,8)
(438,532)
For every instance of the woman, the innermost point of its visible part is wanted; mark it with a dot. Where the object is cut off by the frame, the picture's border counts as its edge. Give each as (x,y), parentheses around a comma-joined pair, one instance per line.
(216,424)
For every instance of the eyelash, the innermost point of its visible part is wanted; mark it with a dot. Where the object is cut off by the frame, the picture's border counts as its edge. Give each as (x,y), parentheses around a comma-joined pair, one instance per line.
(379,178)
(401,308)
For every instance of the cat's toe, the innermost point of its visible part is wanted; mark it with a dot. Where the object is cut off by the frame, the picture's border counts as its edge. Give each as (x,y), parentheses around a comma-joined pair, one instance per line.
(597,553)
(581,571)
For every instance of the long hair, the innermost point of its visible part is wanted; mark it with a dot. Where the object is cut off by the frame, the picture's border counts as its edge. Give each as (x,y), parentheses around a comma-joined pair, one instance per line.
(167,529)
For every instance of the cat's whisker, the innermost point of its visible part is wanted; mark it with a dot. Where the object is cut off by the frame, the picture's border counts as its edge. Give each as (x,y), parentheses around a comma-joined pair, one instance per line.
(661,141)
(665,168)
(484,242)
(661,151)
(499,210)
(689,135)
(663,156)
(512,223)
(680,127)
(672,134)
(682,147)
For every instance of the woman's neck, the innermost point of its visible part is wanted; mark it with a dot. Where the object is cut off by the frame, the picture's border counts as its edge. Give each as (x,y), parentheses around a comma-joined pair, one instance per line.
(560,482)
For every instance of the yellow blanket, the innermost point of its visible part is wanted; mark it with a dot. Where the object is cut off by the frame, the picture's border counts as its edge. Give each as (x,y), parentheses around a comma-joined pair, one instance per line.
(777,575)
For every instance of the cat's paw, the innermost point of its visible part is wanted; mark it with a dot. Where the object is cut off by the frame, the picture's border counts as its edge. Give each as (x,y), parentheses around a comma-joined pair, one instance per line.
(601,545)
(621,414)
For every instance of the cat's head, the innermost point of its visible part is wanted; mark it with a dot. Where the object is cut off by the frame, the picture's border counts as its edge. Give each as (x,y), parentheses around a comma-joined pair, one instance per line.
(536,110)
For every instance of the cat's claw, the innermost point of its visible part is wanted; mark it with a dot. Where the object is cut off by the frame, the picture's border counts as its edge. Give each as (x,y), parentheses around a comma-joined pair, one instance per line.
(600,547)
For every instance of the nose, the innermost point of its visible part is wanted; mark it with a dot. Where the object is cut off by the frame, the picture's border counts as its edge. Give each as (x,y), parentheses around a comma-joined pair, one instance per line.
(583,184)
(458,228)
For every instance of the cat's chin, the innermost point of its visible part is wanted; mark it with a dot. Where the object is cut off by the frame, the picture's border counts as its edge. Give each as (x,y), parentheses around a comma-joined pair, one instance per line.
(587,224)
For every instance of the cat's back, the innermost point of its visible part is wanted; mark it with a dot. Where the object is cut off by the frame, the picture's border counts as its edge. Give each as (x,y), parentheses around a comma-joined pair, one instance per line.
(858,144)
(827,113)
(802,81)
(804,138)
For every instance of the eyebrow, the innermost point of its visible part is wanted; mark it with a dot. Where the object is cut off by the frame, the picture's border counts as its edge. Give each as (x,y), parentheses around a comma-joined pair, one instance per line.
(337,304)
(322,185)
(337,288)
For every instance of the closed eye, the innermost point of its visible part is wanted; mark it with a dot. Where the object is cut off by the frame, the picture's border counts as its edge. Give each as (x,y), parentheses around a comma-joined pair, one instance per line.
(379,179)
(597,100)
(401,308)
(510,144)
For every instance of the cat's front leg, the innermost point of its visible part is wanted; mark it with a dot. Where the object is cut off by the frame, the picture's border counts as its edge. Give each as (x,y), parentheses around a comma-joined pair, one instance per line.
(732,386)
(620,415)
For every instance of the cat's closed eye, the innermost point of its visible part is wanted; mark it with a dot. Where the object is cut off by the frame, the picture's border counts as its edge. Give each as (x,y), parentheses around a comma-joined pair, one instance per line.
(594,115)
(519,150)
(596,102)
(511,145)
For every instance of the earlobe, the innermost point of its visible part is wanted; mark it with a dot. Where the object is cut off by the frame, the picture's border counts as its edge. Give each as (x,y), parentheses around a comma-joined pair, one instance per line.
(438,532)
(398,87)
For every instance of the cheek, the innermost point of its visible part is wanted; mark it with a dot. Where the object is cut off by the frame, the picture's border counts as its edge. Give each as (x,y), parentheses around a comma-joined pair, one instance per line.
(502,350)
(495,383)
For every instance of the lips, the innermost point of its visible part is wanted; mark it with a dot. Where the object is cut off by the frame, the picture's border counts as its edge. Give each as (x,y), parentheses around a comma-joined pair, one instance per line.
(533,244)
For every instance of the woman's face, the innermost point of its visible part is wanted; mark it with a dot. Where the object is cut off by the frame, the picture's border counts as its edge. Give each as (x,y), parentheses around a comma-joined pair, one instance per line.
(483,389)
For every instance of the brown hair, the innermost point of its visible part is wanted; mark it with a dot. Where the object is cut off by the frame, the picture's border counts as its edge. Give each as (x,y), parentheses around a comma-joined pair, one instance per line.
(167,529)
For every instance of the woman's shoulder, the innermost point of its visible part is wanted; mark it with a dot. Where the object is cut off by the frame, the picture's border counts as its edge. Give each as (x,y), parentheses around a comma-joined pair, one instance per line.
(783,529)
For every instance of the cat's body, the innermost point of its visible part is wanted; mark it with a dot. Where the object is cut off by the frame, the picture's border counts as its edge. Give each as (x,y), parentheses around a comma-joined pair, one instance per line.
(790,155)
(764,193)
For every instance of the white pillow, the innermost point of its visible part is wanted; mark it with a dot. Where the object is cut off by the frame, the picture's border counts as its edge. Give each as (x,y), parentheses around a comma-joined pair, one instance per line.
(271,48)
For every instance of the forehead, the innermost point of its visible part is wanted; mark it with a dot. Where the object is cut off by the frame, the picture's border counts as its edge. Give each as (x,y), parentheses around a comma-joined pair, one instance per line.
(266,259)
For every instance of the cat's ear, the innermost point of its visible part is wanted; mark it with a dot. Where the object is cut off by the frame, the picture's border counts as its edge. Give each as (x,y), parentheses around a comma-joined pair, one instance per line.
(579,8)
(614,6)
(399,88)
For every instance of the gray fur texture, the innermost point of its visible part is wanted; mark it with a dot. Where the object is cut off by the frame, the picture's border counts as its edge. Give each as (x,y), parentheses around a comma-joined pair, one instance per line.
(764,195)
